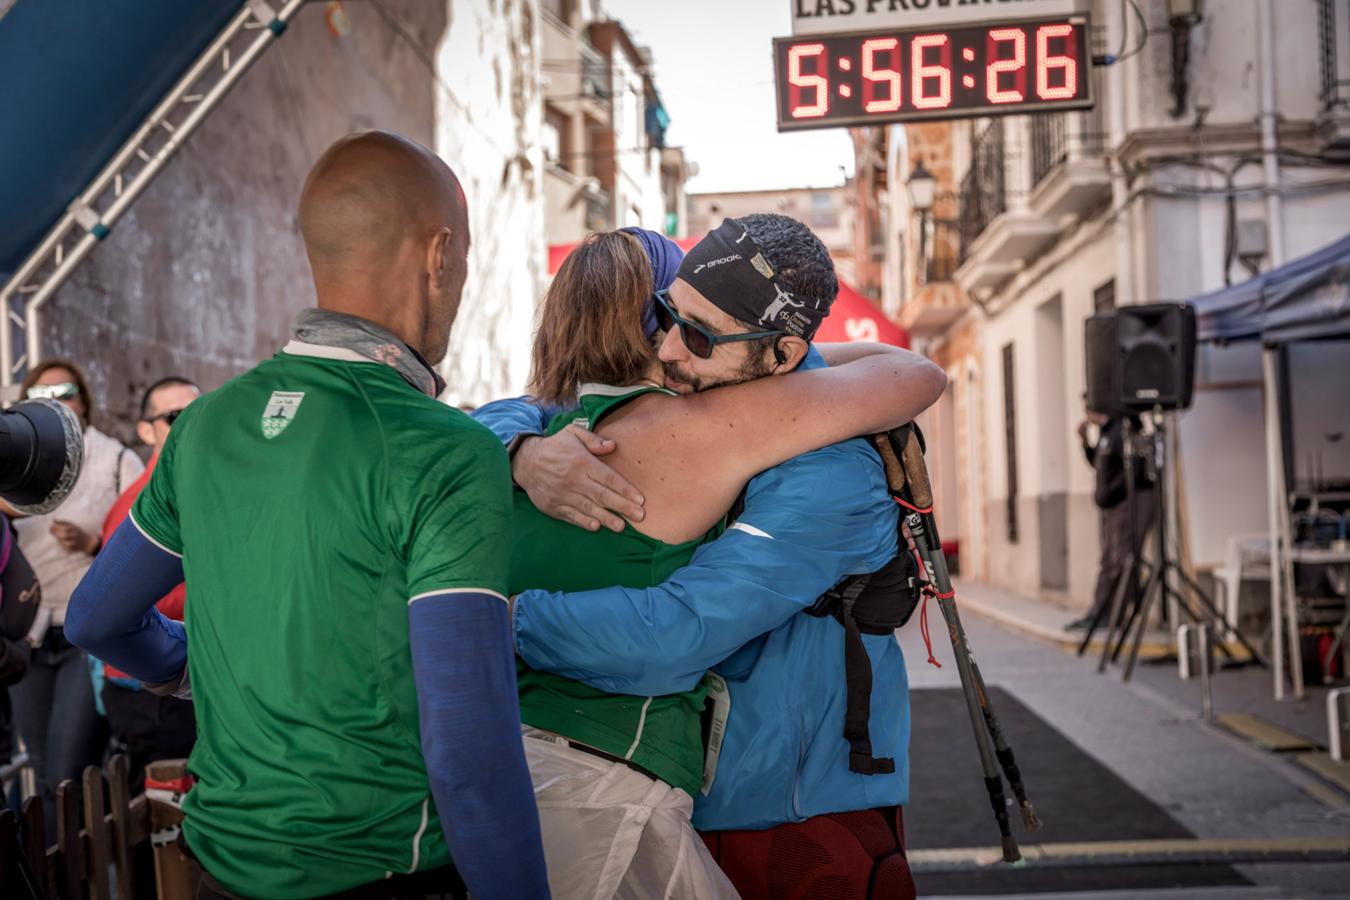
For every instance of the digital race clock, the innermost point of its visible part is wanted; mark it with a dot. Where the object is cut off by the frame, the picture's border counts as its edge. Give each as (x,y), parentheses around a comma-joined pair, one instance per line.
(943,73)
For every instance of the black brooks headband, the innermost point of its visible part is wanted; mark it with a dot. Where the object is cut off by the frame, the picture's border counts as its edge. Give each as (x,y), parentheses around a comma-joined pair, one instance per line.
(730,270)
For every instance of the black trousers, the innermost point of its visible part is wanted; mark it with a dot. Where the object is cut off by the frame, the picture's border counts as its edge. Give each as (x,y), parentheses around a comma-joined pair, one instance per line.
(1115,546)
(151,727)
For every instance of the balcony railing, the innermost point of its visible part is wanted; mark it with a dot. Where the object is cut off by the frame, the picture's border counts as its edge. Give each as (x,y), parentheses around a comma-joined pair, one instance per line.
(943,256)
(940,246)
(1334,16)
(983,189)
(1049,143)
(595,80)
(1056,136)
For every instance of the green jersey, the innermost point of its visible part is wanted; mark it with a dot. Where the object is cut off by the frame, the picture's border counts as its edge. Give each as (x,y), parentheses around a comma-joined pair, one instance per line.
(663,735)
(311,499)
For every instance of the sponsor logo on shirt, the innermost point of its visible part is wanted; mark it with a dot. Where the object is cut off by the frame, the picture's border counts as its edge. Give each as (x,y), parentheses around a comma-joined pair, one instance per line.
(280,410)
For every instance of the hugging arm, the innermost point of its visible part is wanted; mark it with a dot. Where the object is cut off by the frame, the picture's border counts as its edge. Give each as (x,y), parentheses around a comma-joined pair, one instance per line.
(806,525)
(561,473)
(800,412)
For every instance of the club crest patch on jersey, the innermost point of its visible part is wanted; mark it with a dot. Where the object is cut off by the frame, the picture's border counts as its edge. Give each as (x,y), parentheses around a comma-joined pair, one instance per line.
(280,410)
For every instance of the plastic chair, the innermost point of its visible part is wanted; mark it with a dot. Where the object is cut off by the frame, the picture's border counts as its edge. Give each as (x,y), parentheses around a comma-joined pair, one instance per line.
(1246,559)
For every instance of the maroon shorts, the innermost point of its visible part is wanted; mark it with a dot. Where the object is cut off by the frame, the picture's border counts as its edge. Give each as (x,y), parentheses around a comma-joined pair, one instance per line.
(840,856)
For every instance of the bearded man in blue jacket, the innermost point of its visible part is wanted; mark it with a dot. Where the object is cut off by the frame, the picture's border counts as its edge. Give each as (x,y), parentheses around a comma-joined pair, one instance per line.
(780,808)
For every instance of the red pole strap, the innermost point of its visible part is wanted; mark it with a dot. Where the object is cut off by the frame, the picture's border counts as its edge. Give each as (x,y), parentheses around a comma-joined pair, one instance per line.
(923,630)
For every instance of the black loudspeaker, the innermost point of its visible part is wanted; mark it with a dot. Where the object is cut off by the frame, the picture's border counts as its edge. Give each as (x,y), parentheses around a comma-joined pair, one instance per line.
(1141,358)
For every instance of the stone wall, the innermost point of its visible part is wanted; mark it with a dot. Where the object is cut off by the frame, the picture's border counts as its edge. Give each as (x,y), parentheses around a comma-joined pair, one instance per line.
(203,275)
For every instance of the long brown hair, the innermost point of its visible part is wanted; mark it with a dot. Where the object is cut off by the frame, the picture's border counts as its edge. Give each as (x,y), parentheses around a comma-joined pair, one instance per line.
(81,381)
(590,329)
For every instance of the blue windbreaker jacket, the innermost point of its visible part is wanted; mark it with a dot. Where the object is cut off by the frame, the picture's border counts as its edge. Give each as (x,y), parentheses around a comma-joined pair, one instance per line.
(737,609)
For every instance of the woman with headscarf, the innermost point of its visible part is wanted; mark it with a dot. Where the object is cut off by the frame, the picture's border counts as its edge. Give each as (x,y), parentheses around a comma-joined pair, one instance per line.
(614,774)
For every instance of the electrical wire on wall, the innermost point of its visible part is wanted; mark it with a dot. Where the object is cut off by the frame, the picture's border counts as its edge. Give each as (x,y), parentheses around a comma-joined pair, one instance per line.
(1121,54)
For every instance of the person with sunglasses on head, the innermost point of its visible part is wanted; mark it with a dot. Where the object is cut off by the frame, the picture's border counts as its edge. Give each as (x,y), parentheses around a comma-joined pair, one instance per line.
(148,725)
(54,704)
(616,766)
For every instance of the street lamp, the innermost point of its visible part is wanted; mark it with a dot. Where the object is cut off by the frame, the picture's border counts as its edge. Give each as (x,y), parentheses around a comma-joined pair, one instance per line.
(922,189)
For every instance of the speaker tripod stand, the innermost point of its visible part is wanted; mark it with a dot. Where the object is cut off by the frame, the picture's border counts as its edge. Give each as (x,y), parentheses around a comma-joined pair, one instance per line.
(1131,608)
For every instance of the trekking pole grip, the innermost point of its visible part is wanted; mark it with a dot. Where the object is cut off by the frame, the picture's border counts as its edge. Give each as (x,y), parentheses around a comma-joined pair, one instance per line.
(895,471)
(916,473)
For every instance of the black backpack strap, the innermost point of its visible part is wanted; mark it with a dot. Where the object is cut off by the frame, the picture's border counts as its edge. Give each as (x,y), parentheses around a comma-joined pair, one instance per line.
(877,603)
(738,507)
(858,675)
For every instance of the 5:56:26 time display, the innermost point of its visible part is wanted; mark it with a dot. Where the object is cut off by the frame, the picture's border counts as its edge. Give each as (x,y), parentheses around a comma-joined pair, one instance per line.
(856,79)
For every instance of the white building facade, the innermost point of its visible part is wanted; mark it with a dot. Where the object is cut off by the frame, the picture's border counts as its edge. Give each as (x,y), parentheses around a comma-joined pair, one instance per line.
(1195,169)
(489,120)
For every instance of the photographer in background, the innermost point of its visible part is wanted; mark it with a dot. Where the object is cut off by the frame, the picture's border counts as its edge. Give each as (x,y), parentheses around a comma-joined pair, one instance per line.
(1107,456)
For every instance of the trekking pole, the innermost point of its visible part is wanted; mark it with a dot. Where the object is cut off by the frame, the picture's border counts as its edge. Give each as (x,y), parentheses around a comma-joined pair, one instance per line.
(921,532)
(918,484)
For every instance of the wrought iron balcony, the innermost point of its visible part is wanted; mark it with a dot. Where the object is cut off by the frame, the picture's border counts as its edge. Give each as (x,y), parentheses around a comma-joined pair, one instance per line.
(983,189)
(595,76)
(997,236)
(1334,16)
(942,249)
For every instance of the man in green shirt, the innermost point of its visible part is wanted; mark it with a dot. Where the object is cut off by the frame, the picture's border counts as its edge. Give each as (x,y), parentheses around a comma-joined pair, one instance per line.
(343,537)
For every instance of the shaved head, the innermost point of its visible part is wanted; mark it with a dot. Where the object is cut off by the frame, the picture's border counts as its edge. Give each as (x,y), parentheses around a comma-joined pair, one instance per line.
(385,226)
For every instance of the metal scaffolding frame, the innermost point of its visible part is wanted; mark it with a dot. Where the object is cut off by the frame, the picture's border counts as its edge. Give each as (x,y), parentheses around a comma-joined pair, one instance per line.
(90,216)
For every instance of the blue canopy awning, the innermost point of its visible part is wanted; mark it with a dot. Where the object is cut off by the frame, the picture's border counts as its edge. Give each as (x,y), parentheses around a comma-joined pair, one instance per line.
(74,85)
(1307,299)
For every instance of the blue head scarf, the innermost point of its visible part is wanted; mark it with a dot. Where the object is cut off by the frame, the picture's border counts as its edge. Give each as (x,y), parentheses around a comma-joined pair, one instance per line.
(665,258)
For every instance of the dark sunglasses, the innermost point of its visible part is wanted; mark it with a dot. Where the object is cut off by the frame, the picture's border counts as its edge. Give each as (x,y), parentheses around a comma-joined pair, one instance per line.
(700,341)
(168,418)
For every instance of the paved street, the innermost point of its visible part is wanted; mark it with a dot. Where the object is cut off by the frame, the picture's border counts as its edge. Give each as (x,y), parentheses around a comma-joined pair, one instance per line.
(1149,734)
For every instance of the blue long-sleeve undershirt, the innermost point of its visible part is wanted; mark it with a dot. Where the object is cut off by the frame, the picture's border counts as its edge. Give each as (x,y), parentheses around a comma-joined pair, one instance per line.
(472,745)
(112,611)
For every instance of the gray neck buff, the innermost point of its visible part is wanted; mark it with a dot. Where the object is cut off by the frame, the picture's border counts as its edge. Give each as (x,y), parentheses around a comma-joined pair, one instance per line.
(334,329)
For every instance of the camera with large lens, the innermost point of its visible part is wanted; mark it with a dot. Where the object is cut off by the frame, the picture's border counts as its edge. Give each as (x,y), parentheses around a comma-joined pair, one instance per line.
(41,450)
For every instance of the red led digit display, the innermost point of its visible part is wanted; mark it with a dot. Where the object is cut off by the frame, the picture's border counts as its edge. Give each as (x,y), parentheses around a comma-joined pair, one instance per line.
(898,76)
(1050,65)
(1014,64)
(888,51)
(802,84)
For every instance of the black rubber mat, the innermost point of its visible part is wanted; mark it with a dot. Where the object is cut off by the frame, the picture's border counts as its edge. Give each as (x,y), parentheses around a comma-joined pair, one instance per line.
(1077,797)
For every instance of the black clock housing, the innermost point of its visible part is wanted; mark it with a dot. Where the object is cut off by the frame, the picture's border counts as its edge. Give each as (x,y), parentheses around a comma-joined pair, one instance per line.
(899,76)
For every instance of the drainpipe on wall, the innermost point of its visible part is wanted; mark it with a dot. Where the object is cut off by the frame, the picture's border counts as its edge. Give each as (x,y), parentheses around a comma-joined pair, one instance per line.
(1282,601)
(1120,190)
(1269,147)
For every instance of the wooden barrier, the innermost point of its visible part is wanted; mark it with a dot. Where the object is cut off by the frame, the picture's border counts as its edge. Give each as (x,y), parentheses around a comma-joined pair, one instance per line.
(96,848)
